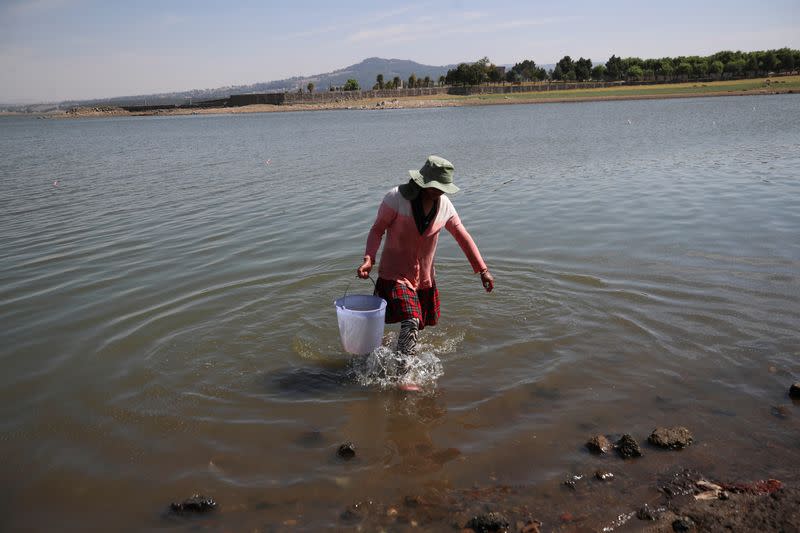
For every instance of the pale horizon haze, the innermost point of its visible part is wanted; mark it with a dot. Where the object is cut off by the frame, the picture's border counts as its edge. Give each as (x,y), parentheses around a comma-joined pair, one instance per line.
(54,50)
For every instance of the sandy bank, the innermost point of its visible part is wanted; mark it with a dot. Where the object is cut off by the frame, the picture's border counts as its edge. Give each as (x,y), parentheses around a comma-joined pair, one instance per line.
(376,104)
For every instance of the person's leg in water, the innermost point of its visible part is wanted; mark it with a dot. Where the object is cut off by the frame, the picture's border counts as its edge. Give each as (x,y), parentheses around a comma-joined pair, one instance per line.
(407,348)
(407,340)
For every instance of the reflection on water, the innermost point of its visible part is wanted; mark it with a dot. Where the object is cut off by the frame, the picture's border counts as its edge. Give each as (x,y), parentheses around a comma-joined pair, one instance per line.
(168,320)
(410,419)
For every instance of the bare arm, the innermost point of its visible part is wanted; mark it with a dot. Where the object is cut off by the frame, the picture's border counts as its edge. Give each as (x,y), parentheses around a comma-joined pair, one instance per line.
(470,249)
(386,216)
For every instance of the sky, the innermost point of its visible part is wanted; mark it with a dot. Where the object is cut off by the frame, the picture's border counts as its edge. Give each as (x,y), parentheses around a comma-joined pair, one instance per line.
(54,50)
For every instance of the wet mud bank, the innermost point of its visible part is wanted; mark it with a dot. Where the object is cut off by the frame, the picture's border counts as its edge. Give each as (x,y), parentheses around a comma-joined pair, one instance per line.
(686,501)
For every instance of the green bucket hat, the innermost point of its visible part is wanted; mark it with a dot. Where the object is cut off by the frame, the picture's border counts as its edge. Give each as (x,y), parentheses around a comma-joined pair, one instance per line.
(436,173)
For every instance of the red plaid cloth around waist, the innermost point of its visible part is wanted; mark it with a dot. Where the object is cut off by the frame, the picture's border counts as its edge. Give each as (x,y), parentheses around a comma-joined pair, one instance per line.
(403,302)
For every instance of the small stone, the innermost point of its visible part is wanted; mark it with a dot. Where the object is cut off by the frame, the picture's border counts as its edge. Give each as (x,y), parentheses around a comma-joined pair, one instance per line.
(724,495)
(488,522)
(646,513)
(603,476)
(347,450)
(673,438)
(355,512)
(599,444)
(196,504)
(683,523)
(627,447)
(794,391)
(565,517)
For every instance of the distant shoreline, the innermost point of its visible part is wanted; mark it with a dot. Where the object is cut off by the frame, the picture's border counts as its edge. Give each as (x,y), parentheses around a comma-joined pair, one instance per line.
(762,86)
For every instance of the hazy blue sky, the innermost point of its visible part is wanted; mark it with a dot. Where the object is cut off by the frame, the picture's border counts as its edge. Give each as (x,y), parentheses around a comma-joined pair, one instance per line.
(63,49)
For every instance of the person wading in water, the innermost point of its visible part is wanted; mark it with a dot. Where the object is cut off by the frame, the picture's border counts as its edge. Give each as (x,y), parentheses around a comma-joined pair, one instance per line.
(412,215)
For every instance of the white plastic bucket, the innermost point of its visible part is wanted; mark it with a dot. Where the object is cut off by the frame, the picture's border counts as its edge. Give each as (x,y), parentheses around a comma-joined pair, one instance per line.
(361,318)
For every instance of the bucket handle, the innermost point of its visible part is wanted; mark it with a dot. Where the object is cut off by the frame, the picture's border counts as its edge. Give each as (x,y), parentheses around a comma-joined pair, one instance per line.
(344,298)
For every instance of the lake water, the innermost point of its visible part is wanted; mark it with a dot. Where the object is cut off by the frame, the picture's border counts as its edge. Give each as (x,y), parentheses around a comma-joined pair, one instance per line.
(168,326)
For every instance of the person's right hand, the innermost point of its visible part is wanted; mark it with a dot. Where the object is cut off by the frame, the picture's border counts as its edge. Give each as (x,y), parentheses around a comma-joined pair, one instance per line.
(363,271)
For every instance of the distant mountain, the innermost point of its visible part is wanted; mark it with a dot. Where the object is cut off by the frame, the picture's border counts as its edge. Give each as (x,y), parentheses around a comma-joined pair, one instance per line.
(365,73)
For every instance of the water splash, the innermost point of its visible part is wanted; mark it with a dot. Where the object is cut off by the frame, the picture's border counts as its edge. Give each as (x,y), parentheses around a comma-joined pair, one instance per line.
(386,368)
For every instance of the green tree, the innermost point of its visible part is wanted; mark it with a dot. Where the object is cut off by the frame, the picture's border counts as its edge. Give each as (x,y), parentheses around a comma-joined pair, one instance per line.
(629,62)
(751,63)
(583,69)
(652,65)
(725,56)
(665,68)
(442,80)
(426,82)
(396,82)
(614,68)
(468,74)
(786,58)
(310,87)
(565,69)
(598,72)
(716,68)
(700,68)
(412,81)
(351,85)
(379,80)
(735,67)
(770,61)
(478,72)
(635,72)
(684,69)
(524,71)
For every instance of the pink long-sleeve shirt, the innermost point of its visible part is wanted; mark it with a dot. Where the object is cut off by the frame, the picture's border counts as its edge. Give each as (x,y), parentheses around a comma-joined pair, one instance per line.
(408,256)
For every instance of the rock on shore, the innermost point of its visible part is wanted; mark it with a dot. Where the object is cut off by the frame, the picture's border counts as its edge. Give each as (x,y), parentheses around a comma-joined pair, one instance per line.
(674,438)
(599,444)
(628,448)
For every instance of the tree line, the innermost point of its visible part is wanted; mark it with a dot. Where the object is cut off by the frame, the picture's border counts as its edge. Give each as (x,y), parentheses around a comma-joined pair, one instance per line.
(682,68)
(718,65)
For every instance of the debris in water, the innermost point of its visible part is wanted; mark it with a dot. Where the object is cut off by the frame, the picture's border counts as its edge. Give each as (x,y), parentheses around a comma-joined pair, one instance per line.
(347,450)
(603,476)
(620,520)
(794,391)
(196,504)
(646,513)
(571,482)
(488,522)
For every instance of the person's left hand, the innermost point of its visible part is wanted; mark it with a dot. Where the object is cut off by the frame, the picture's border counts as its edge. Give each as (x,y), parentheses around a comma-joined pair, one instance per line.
(488,280)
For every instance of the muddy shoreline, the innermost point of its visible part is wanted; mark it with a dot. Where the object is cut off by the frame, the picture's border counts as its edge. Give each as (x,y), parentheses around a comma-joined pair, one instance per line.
(680,499)
(415,102)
